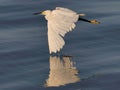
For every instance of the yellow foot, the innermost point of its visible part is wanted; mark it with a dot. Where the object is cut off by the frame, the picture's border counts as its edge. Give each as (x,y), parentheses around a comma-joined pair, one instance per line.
(94,22)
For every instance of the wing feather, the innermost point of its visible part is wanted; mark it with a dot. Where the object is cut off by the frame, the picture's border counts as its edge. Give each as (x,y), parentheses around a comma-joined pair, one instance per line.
(62,20)
(65,9)
(55,41)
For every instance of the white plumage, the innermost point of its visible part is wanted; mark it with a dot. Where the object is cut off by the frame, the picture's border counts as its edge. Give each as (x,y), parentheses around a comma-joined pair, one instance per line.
(60,21)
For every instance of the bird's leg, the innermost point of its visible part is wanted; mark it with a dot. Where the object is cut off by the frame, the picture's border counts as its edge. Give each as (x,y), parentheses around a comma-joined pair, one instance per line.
(90,21)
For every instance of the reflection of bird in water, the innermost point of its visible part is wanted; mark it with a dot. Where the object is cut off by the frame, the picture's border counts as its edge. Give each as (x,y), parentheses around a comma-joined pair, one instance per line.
(60,21)
(62,72)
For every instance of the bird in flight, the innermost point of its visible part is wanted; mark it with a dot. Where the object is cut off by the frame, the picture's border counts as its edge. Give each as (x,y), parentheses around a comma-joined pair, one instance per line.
(60,21)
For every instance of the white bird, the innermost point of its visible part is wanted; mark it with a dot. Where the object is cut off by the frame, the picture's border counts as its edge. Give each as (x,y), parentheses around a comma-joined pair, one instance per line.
(60,21)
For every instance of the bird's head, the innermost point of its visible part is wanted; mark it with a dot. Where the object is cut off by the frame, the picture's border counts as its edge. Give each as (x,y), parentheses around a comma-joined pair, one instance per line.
(46,12)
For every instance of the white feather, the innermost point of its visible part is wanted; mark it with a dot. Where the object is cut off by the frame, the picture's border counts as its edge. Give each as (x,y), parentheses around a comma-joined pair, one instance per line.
(60,21)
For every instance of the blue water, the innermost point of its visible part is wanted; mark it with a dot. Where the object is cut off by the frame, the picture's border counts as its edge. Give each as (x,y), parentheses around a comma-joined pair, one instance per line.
(25,63)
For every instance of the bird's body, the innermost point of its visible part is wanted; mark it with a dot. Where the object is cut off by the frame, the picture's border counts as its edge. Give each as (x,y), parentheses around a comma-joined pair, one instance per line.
(60,21)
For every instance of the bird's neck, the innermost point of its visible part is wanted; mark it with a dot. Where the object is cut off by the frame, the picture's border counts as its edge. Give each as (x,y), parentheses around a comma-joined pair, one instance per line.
(48,16)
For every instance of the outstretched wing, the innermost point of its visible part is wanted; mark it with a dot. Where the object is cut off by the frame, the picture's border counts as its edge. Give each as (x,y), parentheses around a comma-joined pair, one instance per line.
(62,21)
(65,9)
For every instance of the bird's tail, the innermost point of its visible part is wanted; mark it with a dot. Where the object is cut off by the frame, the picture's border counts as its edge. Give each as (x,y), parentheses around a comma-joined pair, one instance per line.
(82,14)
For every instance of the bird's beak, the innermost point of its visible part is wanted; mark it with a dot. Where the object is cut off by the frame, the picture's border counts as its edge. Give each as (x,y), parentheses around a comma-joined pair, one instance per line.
(37,13)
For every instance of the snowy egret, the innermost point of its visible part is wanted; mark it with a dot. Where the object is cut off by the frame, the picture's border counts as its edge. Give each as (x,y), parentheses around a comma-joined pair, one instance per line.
(60,21)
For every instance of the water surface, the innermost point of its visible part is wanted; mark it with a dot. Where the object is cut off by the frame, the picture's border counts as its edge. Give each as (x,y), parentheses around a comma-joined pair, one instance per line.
(25,63)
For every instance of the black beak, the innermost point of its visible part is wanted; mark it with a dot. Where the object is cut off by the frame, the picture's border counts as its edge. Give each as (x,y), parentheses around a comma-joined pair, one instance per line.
(37,13)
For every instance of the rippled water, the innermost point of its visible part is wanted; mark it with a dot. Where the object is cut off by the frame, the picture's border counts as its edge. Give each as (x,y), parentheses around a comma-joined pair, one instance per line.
(25,63)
